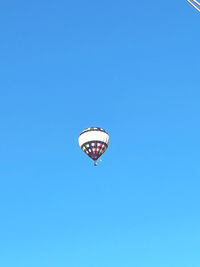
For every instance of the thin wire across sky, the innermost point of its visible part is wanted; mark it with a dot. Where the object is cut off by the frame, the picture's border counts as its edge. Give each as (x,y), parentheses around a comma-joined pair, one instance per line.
(195,4)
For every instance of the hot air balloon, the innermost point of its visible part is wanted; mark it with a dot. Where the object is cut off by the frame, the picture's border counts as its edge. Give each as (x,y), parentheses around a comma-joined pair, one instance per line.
(94,142)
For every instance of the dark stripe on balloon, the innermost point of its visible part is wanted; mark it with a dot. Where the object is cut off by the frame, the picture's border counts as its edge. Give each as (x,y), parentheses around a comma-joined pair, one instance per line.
(97,129)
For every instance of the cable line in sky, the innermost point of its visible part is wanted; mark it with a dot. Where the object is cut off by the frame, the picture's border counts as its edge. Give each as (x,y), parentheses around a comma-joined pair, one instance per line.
(195,4)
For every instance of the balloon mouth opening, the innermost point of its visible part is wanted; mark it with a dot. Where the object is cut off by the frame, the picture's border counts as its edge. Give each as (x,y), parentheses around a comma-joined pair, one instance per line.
(95,157)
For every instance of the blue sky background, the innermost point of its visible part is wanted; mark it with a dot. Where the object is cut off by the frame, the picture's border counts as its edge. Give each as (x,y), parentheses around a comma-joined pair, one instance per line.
(131,67)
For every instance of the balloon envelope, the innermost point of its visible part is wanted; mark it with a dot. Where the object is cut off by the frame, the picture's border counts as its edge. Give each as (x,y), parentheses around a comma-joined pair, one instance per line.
(94,142)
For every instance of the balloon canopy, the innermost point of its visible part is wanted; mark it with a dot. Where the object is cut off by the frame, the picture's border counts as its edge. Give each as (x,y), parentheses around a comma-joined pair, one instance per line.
(94,142)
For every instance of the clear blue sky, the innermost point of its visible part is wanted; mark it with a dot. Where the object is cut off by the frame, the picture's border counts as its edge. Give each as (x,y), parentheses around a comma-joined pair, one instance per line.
(131,67)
